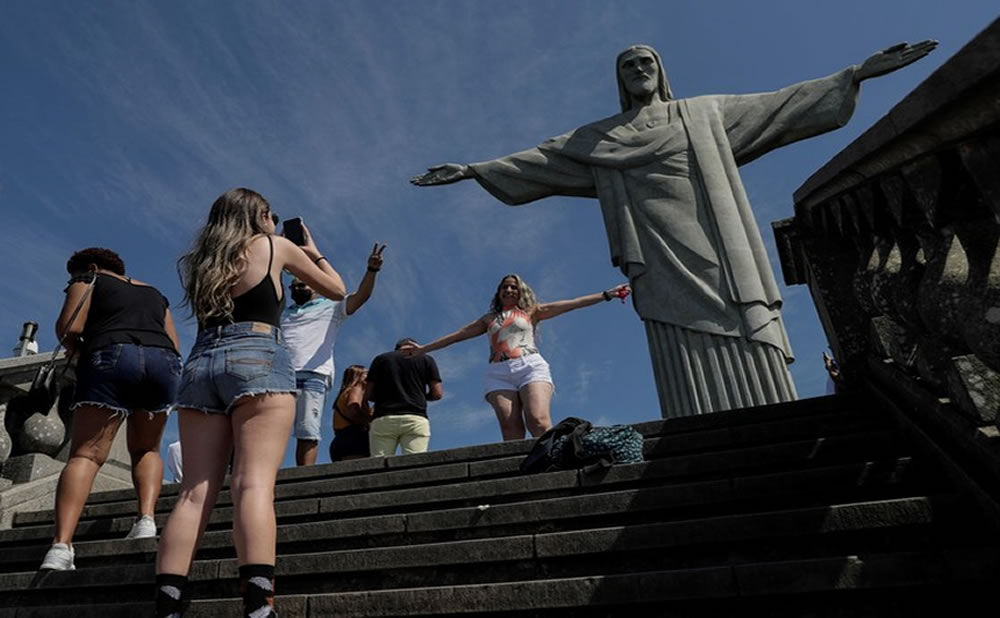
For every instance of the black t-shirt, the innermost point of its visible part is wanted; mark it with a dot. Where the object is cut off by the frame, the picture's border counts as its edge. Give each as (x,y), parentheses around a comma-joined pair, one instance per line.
(401,383)
(124,312)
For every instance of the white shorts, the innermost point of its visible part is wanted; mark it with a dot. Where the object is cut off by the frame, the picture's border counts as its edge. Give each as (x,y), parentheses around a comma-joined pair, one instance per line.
(513,374)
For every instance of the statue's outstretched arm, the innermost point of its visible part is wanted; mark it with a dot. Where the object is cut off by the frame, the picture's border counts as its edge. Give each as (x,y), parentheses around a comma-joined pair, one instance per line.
(892,58)
(519,178)
(443,174)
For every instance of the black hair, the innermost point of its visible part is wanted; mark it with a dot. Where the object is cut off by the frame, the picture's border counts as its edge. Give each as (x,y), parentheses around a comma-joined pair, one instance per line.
(105,259)
(404,341)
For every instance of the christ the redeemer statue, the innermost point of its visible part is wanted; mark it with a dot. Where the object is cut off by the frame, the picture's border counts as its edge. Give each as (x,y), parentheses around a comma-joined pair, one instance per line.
(679,222)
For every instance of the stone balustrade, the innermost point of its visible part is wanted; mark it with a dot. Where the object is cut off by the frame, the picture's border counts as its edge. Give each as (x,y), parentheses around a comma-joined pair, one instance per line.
(898,238)
(24,431)
(34,444)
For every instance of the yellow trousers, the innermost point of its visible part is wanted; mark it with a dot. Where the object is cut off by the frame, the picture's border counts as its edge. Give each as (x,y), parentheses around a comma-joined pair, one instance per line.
(411,432)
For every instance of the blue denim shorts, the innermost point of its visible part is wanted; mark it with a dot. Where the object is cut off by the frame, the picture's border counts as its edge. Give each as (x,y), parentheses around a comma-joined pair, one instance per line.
(123,377)
(234,361)
(309,404)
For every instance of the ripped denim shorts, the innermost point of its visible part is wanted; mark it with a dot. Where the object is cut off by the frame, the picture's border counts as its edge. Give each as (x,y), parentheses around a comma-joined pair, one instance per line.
(122,377)
(234,361)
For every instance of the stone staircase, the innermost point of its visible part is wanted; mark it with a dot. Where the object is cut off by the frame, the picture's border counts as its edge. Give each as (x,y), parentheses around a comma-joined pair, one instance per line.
(815,508)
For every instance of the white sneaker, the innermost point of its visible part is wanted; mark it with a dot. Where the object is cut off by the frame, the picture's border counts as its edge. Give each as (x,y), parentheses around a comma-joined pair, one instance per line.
(143,528)
(58,558)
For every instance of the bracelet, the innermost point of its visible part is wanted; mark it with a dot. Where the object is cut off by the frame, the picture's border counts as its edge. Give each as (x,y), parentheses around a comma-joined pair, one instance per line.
(374,270)
(319,259)
(606,296)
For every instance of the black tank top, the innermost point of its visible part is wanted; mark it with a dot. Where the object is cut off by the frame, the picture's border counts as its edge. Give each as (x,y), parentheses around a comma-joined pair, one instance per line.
(258,304)
(124,312)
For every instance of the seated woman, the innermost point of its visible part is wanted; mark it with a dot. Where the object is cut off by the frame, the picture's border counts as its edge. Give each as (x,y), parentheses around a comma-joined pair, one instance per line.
(129,367)
(518,383)
(351,417)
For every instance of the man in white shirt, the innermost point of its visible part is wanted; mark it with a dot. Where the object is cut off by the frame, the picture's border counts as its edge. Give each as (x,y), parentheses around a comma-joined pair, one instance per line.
(309,328)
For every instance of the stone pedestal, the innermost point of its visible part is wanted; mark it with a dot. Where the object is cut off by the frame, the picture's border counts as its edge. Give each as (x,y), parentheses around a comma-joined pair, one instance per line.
(28,482)
(31,467)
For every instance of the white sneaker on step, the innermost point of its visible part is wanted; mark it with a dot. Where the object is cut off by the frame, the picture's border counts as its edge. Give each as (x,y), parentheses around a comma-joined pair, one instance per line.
(58,558)
(143,528)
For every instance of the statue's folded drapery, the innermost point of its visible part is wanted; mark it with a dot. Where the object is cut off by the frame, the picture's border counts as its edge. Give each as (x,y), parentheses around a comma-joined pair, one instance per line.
(681,229)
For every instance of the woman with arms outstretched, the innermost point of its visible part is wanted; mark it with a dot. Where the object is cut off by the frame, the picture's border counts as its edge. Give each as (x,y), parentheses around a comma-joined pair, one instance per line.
(237,392)
(518,382)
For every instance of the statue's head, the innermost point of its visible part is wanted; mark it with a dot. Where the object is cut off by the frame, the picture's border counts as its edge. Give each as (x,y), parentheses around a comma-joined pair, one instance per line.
(640,73)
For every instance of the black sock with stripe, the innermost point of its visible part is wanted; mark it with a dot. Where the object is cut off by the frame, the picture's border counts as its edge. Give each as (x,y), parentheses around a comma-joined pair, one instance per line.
(169,594)
(257,588)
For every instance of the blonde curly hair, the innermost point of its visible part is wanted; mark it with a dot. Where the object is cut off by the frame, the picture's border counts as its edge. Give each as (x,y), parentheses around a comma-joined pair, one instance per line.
(525,301)
(213,266)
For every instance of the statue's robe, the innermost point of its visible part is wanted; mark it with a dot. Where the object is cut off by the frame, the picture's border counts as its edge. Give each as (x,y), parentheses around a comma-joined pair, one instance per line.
(681,229)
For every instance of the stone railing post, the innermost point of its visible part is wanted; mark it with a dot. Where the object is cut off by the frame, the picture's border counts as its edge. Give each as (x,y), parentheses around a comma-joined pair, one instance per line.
(27,431)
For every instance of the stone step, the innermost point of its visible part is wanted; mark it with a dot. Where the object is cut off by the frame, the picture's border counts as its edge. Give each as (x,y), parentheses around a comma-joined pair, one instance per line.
(859,481)
(500,491)
(432,526)
(688,544)
(842,585)
(736,427)
(793,577)
(817,450)
(738,495)
(802,509)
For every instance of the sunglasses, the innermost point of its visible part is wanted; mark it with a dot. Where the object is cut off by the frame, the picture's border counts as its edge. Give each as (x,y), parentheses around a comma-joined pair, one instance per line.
(275,218)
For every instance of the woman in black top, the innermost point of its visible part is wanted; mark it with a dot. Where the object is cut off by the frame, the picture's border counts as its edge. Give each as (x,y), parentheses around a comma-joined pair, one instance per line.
(128,367)
(237,392)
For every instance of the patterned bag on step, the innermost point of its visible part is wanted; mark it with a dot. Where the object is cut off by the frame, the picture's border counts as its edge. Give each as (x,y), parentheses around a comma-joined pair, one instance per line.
(618,444)
(584,445)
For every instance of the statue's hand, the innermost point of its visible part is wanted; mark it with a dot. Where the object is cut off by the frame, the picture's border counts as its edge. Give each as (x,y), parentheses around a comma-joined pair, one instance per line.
(443,174)
(892,58)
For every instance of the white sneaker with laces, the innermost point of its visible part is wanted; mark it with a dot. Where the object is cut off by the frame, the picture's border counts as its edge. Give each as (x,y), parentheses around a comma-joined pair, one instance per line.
(58,558)
(143,528)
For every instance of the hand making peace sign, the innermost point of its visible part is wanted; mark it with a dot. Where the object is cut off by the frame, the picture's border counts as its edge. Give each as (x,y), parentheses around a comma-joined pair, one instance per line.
(375,259)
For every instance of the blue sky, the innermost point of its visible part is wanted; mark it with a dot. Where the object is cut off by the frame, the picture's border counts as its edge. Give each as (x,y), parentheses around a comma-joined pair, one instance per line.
(122,121)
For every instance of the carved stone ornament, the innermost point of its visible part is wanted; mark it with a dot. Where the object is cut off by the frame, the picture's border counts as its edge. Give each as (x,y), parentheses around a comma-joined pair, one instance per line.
(42,432)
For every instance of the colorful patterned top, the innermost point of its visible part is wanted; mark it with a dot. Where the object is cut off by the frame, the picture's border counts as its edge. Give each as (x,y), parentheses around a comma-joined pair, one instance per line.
(512,335)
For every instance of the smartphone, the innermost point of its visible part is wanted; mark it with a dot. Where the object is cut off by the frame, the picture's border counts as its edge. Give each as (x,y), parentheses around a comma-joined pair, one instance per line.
(292,230)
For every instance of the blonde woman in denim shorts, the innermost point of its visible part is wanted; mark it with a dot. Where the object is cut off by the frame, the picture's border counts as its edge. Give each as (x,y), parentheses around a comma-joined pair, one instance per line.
(237,392)
(518,383)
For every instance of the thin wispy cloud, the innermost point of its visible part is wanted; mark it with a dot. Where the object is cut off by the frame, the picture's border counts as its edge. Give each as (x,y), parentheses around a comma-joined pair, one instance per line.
(584,375)
(460,362)
(458,418)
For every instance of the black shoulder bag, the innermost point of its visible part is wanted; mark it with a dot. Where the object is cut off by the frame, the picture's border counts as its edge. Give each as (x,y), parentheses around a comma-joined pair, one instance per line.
(45,385)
